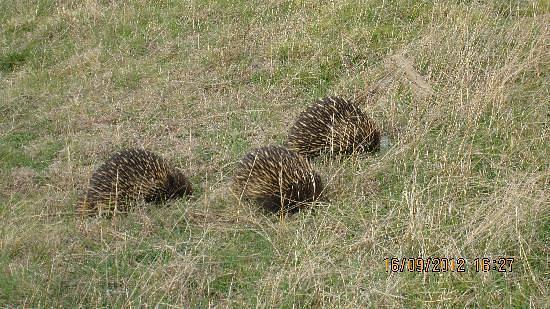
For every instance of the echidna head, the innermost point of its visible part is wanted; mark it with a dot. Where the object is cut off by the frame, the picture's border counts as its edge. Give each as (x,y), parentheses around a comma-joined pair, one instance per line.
(370,140)
(363,138)
(317,186)
(177,185)
(298,197)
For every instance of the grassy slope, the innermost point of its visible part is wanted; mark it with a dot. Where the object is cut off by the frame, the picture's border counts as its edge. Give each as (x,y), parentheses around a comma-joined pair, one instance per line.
(460,91)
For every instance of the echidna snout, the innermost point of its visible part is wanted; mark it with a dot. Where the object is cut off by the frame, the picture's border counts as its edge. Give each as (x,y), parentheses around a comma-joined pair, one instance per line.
(178,185)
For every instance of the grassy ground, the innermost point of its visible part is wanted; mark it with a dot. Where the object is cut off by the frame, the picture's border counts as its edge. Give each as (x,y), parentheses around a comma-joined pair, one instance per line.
(460,92)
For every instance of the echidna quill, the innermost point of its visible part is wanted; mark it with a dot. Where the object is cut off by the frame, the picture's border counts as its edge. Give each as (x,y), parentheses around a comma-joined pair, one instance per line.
(333,125)
(130,176)
(277,178)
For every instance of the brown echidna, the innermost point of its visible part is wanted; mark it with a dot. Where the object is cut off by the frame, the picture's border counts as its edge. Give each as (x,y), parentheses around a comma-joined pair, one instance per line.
(277,178)
(132,175)
(335,125)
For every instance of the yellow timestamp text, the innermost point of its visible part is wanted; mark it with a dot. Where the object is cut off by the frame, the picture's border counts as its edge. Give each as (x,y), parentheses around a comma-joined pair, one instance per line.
(447,264)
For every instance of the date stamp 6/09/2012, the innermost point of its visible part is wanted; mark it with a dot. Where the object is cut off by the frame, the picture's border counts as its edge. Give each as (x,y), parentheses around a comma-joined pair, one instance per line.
(448,264)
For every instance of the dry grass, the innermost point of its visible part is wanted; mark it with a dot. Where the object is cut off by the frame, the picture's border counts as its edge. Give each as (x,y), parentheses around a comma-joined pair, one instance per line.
(460,92)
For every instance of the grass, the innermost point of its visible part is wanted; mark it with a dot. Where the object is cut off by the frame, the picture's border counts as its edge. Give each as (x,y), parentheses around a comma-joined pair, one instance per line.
(460,91)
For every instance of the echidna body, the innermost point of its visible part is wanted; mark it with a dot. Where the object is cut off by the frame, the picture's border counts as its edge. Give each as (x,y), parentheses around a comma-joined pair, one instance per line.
(333,125)
(130,176)
(277,179)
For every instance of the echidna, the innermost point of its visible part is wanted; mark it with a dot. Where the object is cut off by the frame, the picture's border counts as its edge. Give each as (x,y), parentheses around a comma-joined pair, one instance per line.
(132,175)
(335,125)
(277,178)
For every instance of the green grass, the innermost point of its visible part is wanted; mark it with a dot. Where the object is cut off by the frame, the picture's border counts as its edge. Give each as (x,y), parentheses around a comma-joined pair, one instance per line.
(460,90)
(13,151)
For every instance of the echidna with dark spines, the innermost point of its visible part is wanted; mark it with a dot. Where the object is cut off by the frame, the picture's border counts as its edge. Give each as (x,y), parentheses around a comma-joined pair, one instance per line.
(277,178)
(333,125)
(130,176)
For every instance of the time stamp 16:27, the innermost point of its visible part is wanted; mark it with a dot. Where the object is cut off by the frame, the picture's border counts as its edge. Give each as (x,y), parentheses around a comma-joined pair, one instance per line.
(450,264)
